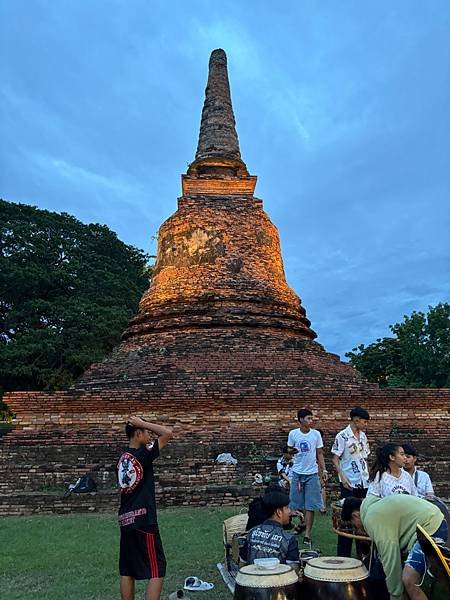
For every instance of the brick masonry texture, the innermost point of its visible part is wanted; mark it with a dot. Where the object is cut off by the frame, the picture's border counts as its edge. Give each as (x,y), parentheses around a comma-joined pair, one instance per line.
(234,362)
(220,349)
(214,186)
(63,435)
(218,137)
(219,263)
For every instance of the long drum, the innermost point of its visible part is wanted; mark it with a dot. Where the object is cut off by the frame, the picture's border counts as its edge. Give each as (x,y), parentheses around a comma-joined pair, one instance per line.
(336,578)
(254,583)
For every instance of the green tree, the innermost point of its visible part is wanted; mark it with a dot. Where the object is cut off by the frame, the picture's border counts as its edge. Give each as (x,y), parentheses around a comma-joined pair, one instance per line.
(418,355)
(67,291)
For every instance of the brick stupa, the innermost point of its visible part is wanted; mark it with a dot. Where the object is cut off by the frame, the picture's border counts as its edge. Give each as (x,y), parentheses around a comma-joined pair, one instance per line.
(218,300)
(220,349)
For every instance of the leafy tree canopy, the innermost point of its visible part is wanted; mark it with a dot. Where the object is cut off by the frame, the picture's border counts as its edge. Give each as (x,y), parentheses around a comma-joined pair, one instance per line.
(417,356)
(67,291)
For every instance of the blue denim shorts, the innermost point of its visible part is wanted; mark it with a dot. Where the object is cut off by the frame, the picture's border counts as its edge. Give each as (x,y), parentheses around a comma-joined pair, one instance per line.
(416,558)
(305,493)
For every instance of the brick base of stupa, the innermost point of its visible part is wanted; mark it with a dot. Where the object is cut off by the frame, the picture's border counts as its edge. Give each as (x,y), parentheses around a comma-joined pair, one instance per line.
(222,362)
(235,400)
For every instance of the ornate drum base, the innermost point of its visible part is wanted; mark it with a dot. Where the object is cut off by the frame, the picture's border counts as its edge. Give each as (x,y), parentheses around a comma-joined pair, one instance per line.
(253,583)
(336,578)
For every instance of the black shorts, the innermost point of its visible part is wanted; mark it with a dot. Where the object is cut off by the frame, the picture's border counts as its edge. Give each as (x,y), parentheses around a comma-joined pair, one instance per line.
(141,555)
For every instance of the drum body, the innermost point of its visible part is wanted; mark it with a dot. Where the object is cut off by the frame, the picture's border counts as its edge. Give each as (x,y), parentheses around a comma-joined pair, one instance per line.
(253,583)
(336,578)
(233,528)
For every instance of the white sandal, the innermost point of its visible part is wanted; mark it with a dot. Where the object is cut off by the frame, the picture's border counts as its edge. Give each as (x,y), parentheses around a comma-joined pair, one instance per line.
(194,584)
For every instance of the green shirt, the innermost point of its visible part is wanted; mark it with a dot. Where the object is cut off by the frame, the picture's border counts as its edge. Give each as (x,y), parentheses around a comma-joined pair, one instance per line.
(391,523)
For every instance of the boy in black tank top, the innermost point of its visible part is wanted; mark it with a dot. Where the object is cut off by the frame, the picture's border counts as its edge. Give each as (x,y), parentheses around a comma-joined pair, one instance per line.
(141,551)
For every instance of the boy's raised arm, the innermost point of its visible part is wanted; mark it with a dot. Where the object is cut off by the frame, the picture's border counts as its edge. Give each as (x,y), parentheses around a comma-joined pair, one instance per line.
(165,434)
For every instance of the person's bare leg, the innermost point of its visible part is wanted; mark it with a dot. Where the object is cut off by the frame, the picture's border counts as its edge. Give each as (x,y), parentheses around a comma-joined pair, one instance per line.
(309,520)
(154,588)
(411,579)
(127,588)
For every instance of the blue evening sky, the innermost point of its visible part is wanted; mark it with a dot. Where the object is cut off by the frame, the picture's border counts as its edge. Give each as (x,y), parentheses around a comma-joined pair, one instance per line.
(342,111)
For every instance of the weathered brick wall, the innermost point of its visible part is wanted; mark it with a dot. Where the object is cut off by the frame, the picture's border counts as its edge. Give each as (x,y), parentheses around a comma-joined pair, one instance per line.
(219,262)
(63,435)
(223,362)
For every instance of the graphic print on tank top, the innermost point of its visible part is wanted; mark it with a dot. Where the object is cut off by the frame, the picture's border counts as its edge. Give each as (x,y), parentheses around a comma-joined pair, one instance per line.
(129,472)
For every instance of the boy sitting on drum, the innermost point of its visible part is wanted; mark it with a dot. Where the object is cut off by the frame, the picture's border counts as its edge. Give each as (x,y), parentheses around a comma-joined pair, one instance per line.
(270,539)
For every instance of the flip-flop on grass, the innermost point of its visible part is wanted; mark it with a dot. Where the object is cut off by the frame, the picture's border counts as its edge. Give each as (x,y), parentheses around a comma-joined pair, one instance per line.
(194,584)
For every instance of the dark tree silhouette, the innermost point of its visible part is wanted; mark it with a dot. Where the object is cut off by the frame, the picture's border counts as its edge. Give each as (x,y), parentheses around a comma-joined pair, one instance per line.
(67,291)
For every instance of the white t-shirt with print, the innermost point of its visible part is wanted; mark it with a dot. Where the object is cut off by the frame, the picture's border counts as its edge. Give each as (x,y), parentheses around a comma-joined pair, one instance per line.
(353,453)
(305,461)
(422,482)
(390,485)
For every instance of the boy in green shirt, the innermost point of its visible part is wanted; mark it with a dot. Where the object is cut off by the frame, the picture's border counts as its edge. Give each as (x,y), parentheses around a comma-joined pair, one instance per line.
(391,523)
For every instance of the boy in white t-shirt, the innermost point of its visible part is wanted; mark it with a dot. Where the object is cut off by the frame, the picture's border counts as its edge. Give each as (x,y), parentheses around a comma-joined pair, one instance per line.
(421,478)
(308,465)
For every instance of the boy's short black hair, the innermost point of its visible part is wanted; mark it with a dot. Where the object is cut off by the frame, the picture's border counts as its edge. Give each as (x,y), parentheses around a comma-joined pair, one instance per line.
(358,411)
(130,430)
(304,412)
(350,504)
(409,449)
(288,450)
(275,499)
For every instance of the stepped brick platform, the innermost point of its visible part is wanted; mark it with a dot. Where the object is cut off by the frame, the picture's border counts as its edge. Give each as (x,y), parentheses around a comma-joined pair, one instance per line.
(220,348)
(216,362)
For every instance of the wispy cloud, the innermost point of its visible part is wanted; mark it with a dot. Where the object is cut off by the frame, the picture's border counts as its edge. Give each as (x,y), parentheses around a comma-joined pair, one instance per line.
(83,176)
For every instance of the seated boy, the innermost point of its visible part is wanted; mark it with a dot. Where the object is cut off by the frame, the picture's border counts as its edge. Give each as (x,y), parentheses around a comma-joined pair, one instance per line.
(284,467)
(421,479)
(270,539)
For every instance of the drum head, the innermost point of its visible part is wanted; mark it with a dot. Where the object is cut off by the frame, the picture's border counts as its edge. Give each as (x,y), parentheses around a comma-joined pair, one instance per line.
(335,569)
(255,577)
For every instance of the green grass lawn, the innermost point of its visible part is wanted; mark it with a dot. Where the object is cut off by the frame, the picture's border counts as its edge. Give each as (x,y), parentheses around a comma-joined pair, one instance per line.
(75,557)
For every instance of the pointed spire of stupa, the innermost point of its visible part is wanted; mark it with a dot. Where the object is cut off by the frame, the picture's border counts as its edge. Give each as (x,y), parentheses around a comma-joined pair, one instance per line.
(218,137)
(218,168)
